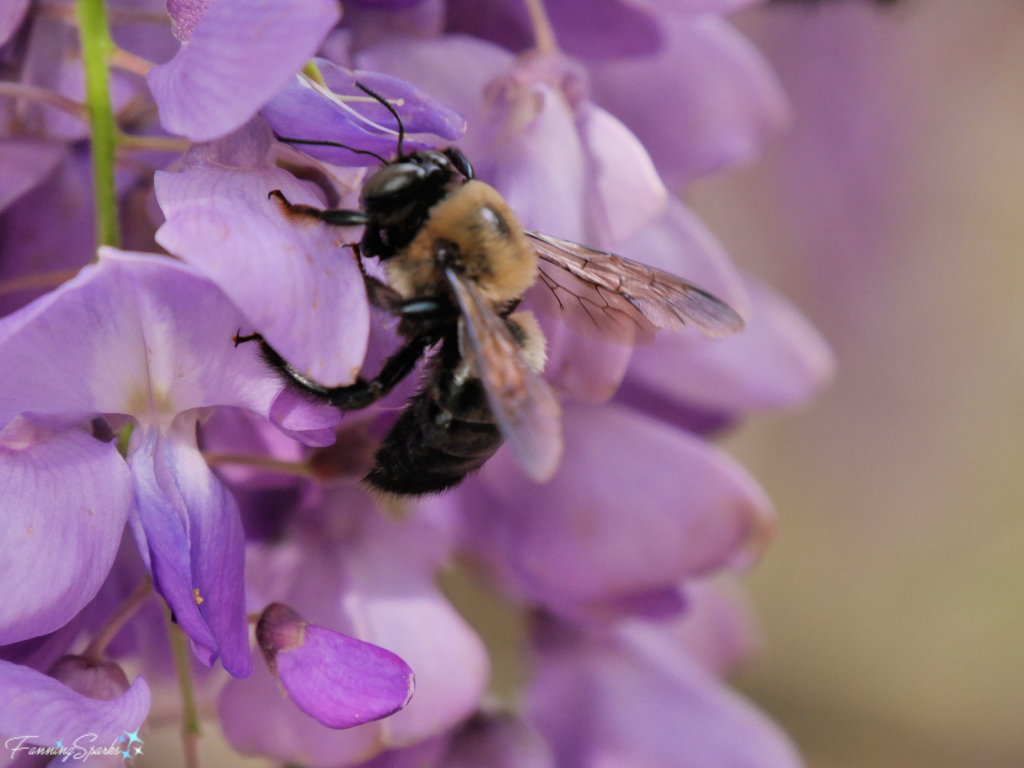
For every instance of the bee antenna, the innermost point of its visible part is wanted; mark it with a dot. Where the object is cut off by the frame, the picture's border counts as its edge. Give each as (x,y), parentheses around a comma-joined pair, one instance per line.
(287,140)
(389,108)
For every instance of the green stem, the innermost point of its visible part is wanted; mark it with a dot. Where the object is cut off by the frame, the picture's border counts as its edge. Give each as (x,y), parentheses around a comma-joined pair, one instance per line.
(97,47)
(124,438)
(190,731)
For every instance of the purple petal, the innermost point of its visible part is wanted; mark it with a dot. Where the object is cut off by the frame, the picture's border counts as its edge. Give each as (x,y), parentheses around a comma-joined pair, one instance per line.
(237,57)
(305,110)
(420,112)
(428,753)
(681,245)
(11,14)
(369,22)
(375,584)
(693,510)
(707,100)
(597,30)
(591,369)
(504,23)
(40,653)
(586,368)
(135,334)
(53,61)
(719,629)
(185,14)
(539,166)
(453,69)
(606,29)
(655,604)
(635,698)
(190,534)
(46,711)
(308,422)
(335,679)
(232,430)
(66,498)
(296,284)
(391,5)
(626,193)
(25,164)
(30,245)
(69,81)
(778,361)
(720,7)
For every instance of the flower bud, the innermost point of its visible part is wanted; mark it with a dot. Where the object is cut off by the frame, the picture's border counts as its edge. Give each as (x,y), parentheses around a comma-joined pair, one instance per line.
(104,681)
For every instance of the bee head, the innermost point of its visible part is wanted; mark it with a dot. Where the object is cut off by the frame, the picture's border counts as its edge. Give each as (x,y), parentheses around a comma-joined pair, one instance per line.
(412,177)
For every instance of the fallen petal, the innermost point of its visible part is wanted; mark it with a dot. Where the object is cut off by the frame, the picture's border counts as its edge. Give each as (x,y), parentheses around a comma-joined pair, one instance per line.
(335,679)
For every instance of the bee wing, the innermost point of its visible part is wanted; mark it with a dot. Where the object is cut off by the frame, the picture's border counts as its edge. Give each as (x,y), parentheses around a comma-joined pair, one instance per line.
(525,408)
(622,300)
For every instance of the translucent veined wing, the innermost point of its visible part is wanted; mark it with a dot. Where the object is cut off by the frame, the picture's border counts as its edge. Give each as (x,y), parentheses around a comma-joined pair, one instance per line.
(524,407)
(620,300)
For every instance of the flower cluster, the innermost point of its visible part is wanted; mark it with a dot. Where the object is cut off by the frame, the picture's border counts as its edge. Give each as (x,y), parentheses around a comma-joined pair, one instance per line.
(126,397)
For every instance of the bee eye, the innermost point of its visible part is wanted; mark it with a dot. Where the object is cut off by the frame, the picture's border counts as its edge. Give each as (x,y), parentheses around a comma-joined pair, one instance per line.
(399,180)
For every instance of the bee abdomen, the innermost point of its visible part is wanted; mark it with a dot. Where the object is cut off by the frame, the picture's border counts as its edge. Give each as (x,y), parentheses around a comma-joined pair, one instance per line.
(428,450)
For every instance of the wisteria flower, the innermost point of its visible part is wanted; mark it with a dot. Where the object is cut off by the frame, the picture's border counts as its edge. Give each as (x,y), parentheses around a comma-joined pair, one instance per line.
(234,57)
(129,394)
(72,702)
(116,340)
(350,570)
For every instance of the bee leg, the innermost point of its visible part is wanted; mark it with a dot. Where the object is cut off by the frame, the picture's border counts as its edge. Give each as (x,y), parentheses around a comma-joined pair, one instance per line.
(338,218)
(238,338)
(419,316)
(382,296)
(299,380)
(364,393)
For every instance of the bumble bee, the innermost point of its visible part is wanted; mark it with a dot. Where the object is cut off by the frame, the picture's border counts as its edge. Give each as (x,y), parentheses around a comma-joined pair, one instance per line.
(458,262)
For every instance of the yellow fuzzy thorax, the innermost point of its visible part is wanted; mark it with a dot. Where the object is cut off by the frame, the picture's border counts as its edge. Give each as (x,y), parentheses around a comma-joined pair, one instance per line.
(491,248)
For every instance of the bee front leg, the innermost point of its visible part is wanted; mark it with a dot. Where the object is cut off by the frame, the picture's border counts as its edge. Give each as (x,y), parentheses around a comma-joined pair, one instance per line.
(382,296)
(337,218)
(418,316)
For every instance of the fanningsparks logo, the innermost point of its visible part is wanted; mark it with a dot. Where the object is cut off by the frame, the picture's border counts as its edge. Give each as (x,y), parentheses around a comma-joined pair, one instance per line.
(127,746)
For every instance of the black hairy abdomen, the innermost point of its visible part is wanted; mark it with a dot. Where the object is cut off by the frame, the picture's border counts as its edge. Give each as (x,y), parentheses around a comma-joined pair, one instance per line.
(445,432)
